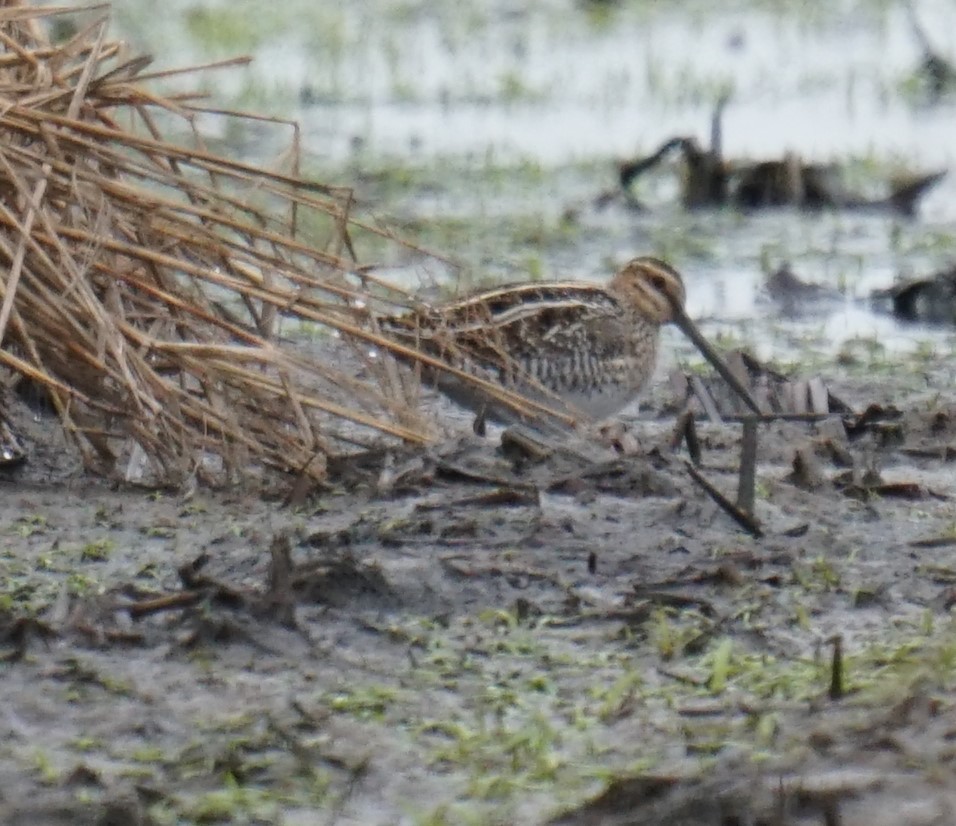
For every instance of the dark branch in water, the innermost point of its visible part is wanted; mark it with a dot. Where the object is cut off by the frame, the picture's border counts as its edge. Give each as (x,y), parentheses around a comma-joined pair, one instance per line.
(629,170)
(710,181)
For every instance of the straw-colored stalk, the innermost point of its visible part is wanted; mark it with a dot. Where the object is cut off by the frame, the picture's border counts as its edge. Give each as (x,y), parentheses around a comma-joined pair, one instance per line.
(145,278)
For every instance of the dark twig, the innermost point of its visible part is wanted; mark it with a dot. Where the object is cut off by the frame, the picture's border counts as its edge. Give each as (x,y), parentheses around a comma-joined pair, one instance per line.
(812,418)
(520,443)
(19,634)
(512,496)
(280,601)
(168,602)
(933,542)
(745,520)
(837,689)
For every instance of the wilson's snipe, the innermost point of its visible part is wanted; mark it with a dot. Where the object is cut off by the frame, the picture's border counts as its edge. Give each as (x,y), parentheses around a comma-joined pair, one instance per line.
(576,348)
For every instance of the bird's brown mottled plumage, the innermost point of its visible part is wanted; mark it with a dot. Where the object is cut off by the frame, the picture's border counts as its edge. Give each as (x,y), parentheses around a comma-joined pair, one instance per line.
(574,346)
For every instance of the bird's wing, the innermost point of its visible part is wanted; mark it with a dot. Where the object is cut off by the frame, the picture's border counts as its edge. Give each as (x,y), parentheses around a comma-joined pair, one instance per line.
(503,332)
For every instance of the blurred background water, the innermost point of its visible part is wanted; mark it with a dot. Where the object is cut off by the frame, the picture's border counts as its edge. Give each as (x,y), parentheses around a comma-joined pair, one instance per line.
(486,130)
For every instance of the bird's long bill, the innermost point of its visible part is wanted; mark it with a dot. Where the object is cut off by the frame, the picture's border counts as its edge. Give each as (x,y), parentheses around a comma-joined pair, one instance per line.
(683,321)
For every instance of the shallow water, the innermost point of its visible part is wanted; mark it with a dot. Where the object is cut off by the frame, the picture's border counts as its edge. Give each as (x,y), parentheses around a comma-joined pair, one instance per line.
(488,90)
(548,83)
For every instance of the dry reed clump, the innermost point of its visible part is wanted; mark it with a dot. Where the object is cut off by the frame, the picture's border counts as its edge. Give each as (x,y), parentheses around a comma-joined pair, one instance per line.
(144,278)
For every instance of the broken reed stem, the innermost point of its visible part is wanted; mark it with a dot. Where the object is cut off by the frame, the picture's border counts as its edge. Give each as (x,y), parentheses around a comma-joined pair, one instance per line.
(13,279)
(167,602)
(686,431)
(836,690)
(747,480)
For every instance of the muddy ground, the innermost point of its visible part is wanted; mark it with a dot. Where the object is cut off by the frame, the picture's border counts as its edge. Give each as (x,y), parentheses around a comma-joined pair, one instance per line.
(467,638)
